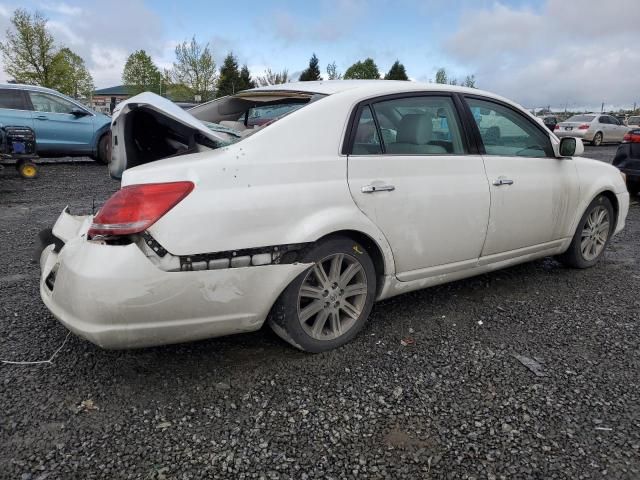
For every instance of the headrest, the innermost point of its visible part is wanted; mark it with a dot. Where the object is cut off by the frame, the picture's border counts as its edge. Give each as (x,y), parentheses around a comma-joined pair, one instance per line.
(415,128)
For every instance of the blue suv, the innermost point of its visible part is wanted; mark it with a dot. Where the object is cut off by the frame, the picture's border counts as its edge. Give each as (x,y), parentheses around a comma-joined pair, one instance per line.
(62,125)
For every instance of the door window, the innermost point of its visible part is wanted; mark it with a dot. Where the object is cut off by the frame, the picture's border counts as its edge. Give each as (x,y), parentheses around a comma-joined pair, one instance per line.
(604,119)
(367,140)
(43,102)
(12,98)
(425,125)
(506,132)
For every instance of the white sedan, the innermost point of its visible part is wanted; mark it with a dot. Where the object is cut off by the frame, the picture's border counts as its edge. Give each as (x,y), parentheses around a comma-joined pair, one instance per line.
(302,204)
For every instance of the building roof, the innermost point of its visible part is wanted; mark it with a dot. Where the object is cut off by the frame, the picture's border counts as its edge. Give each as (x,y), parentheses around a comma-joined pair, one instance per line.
(117,90)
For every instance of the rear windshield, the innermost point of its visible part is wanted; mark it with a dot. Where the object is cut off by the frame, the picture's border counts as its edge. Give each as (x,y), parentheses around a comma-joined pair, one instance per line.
(581,118)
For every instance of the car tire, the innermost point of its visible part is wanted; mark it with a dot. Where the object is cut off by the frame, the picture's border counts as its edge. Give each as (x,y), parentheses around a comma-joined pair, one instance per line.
(328,304)
(592,235)
(104,149)
(597,139)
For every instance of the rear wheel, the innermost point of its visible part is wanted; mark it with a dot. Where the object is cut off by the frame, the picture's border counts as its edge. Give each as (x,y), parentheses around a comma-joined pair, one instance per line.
(104,149)
(597,139)
(592,235)
(328,304)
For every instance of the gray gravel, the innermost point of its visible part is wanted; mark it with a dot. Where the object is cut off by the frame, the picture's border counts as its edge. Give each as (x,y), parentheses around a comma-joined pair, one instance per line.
(457,404)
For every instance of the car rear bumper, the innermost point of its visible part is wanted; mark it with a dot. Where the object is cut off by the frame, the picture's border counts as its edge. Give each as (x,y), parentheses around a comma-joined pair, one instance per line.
(115,297)
(583,134)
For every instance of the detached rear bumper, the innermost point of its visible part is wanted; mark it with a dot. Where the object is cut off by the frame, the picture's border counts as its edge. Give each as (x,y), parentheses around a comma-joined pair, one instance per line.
(115,297)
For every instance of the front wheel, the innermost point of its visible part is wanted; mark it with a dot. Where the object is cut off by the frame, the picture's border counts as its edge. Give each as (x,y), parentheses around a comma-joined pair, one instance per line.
(592,235)
(328,304)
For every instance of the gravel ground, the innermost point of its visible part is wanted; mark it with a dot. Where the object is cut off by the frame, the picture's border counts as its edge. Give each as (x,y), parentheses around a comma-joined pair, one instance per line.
(457,404)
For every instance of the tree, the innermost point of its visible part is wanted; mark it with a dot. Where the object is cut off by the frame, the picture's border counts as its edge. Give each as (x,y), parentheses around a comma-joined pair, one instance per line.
(332,72)
(441,76)
(140,73)
(229,81)
(195,68)
(396,72)
(312,72)
(246,81)
(273,78)
(29,49)
(363,70)
(70,75)
(470,81)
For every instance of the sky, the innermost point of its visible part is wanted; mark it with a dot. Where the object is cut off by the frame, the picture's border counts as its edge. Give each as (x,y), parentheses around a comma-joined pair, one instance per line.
(564,53)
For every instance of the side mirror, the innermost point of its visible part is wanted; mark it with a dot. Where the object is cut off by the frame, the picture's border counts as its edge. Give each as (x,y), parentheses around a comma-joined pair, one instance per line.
(571,147)
(78,112)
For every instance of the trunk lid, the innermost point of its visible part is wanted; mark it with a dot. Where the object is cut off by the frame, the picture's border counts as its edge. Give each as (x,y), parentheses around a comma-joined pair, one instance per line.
(148,127)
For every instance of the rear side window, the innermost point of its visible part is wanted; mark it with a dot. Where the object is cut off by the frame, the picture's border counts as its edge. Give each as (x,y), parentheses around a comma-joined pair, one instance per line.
(366,141)
(12,98)
(604,119)
(507,133)
(43,102)
(419,126)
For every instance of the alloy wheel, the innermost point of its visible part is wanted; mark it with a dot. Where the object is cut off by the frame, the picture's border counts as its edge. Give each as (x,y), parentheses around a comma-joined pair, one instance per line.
(595,233)
(332,296)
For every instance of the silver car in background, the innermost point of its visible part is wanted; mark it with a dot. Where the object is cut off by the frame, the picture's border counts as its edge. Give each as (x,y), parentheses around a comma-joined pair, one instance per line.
(633,121)
(597,128)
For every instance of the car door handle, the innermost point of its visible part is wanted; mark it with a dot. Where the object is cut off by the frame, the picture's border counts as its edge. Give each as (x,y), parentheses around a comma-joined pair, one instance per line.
(502,181)
(42,117)
(377,188)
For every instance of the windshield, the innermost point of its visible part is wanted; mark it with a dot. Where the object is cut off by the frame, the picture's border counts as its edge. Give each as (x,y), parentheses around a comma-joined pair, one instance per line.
(581,118)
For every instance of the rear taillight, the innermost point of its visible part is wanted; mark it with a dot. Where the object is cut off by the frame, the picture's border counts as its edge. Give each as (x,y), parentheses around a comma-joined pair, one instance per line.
(135,208)
(584,126)
(557,127)
(632,137)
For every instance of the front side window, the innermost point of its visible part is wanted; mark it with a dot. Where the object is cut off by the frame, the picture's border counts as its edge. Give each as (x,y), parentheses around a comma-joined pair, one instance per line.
(12,98)
(366,141)
(43,102)
(508,133)
(426,125)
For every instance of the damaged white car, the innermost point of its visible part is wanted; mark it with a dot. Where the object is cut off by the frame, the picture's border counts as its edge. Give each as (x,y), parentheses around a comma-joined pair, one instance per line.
(302,204)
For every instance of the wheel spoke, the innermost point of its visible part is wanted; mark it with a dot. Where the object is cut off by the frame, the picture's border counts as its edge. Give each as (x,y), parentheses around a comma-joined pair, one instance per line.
(336,326)
(603,228)
(309,291)
(355,289)
(320,274)
(584,245)
(586,232)
(319,323)
(310,310)
(336,268)
(348,274)
(350,310)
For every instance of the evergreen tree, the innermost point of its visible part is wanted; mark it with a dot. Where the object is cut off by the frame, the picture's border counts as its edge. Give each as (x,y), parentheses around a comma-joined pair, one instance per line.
(312,72)
(229,82)
(246,81)
(441,76)
(366,69)
(396,72)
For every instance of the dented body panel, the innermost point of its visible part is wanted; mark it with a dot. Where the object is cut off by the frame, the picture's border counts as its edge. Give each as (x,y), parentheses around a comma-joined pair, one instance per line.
(114,296)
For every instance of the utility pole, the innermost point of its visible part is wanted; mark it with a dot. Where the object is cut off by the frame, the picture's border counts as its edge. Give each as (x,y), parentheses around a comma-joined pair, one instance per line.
(602,108)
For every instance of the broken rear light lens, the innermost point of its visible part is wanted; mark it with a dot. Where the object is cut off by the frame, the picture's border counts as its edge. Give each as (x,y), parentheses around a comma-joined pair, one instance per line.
(135,208)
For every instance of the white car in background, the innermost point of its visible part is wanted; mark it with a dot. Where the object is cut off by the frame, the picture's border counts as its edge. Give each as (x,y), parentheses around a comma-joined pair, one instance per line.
(633,121)
(597,128)
(363,191)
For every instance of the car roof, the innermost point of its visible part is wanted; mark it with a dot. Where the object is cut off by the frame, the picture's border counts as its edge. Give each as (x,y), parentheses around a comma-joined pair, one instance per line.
(372,87)
(24,86)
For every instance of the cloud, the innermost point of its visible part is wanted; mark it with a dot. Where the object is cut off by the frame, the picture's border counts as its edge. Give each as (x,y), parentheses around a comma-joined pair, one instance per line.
(569,52)
(61,8)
